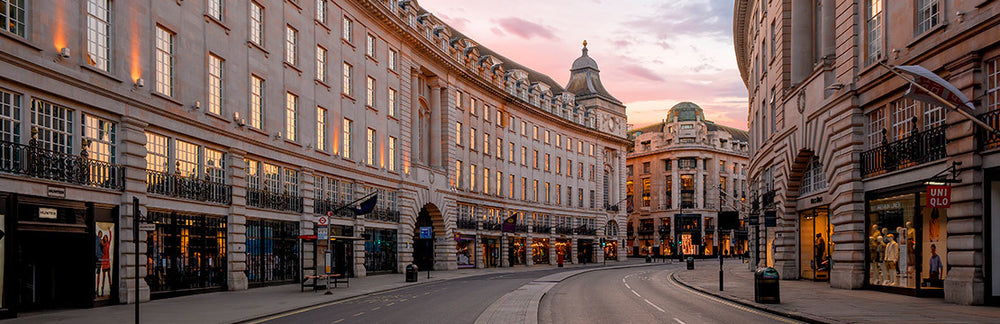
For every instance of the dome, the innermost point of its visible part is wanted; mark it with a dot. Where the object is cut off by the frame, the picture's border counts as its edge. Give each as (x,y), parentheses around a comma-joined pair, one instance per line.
(685,111)
(585,79)
(584,61)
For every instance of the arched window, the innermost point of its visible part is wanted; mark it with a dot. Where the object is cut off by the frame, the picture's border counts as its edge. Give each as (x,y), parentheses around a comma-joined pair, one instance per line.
(813,180)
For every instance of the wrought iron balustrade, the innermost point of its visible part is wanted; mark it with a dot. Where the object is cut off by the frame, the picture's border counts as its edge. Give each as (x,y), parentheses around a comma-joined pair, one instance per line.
(35,161)
(322,206)
(466,223)
(920,147)
(384,215)
(521,228)
(491,225)
(542,229)
(587,231)
(565,230)
(643,231)
(611,208)
(989,140)
(261,198)
(175,185)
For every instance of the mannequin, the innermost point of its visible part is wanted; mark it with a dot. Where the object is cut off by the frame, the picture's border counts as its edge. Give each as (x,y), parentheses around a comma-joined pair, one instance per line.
(904,278)
(880,261)
(873,253)
(891,259)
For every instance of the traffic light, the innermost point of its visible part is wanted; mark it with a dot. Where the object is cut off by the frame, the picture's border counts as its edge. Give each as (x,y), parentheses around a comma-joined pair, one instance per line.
(603,244)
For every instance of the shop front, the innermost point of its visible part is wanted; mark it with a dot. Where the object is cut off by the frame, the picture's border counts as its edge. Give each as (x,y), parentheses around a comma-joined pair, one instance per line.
(186,253)
(815,244)
(490,245)
(465,251)
(906,243)
(272,251)
(562,248)
(517,250)
(585,250)
(611,249)
(380,250)
(540,250)
(56,253)
(342,245)
(687,234)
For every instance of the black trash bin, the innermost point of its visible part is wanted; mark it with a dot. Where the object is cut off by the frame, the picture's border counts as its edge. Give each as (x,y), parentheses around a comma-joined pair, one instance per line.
(411,273)
(765,286)
(649,259)
(690,263)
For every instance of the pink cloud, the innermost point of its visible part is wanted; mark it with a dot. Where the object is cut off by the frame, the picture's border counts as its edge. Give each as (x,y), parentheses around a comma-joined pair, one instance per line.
(525,29)
(642,72)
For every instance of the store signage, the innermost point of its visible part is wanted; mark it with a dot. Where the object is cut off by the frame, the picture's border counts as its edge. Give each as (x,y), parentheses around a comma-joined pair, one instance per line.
(425,232)
(323,233)
(323,221)
(56,192)
(816,200)
(770,218)
(938,196)
(48,213)
(148,227)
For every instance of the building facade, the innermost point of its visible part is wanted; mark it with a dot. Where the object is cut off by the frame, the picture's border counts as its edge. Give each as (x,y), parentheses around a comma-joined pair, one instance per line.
(236,123)
(843,159)
(681,173)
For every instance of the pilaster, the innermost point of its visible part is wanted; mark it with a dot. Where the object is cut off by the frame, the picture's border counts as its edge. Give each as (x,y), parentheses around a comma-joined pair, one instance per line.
(133,144)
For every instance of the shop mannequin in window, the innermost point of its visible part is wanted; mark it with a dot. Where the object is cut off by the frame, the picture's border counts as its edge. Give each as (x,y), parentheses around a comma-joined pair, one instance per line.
(891,259)
(904,257)
(873,252)
(880,261)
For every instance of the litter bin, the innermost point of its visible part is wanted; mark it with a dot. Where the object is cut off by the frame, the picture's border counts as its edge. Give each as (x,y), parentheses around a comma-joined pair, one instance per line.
(690,263)
(411,273)
(649,259)
(765,286)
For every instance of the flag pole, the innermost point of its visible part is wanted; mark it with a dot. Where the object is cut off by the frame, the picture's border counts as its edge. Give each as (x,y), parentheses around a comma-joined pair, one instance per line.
(938,98)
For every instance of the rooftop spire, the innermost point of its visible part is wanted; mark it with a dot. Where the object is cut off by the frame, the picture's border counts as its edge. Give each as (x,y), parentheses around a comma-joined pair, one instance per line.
(584,47)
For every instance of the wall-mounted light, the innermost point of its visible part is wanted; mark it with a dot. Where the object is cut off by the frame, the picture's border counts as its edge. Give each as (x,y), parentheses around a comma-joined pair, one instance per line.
(835,86)
(961,16)
(197,104)
(140,83)
(64,53)
(236,118)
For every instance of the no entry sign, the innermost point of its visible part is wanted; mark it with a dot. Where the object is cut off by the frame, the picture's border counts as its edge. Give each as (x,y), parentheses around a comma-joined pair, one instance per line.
(938,196)
(323,221)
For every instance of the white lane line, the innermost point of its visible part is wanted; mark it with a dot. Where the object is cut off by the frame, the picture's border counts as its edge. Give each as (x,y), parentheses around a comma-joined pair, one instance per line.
(636,294)
(654,306)
(679,321)
(627,286)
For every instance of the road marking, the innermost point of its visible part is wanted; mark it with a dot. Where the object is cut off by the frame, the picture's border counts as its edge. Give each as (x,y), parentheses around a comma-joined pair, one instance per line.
(679,321)
(636,294)
(627,286)
(389,304)
(673,282)
(654,305)
(376,308)
(358,314)
(337,321)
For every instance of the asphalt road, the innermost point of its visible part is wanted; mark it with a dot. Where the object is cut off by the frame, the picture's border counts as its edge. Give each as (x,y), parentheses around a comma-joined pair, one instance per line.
(450,301)
(640,295)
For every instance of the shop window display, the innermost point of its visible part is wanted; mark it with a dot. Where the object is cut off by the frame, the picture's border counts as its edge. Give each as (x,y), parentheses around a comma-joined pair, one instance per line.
(904,242)
(517,251)
(380,250)
(491,252)
(466,251)
(814,243)
(540,250)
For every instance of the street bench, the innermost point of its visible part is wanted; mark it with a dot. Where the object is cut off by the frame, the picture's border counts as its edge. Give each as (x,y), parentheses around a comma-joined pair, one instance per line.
(316,284)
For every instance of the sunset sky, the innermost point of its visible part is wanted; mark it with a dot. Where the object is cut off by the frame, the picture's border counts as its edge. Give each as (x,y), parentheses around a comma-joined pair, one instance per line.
(652,53)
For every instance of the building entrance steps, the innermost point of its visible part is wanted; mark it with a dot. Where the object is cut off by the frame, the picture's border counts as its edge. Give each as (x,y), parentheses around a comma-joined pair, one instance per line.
(256,303)
(817,302)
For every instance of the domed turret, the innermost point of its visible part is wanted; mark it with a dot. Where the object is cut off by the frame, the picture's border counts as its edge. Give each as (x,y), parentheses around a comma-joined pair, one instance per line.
(685,111)
(585,79)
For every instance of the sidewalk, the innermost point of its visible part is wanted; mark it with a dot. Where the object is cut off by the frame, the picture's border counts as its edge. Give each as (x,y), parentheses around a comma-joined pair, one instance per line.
(236,306)
(819,303)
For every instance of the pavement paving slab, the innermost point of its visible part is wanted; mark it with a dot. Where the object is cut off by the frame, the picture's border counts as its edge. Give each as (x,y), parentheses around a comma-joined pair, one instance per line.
(817,302)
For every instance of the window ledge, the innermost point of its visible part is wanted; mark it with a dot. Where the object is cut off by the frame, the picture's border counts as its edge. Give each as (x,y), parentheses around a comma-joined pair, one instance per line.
(291,142)
(293,67)
(217,22)
(167,98)
(257,46)
(347,42)
(347,96)
(927,33)
(322,24)
(371,58)
(217,116)
(19,39)
(101,72)
(258,131)
(322,83)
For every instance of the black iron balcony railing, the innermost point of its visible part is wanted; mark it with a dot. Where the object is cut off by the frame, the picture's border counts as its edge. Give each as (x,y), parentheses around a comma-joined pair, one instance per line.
(35,161)
(587,231)
(542,229)
(384,215)
(643,231)
(261,198)
(490,225)
(611,208)
(920,147)
(466,223)
(322,206)
(521,228)
(174,185)
(989,140)
(565,230)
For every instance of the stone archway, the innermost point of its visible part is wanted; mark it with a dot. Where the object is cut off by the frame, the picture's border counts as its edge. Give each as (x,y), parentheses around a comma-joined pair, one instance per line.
(424,247)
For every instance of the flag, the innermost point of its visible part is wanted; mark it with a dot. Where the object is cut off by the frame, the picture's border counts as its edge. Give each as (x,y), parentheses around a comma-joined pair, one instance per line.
(366,206)
(509,224)
(936,85)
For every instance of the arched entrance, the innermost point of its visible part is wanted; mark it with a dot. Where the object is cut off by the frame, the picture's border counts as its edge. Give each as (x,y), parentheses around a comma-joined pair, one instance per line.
(430,224)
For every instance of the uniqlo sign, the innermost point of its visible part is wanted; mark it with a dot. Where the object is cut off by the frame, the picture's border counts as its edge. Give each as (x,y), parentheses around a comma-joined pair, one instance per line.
(938,196)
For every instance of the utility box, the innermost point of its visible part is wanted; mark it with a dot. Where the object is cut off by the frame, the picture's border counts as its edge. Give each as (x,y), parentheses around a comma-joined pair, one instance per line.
(411,273)
(765,286)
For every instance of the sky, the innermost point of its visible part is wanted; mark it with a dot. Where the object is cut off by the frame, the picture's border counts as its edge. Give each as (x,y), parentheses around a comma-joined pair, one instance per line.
(652,54)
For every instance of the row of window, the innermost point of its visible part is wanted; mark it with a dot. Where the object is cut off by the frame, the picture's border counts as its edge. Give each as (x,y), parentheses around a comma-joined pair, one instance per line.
(692,164)
(492,214)
(54,129)
(498,187)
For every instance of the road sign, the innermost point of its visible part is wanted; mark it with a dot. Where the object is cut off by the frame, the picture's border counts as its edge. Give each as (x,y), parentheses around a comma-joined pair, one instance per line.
(425,232)
(938,196)
(147,227)
(323,221)
(329,213)
(323,233)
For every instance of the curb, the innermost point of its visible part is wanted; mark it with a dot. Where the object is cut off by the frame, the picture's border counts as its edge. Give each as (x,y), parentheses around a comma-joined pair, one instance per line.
(260,318)
(808,318)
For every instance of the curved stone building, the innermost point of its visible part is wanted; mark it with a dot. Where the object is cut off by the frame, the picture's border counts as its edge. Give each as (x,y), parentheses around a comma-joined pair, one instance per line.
(681,173)
(845,162)
(236,124)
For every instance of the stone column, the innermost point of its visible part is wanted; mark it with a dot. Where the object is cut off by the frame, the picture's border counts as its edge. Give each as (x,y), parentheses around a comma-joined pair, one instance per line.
(553,258)
(236,223)
(480,251)
(573,258)
(699,188)
(435,124)
(133,146)
(801,44)
(359,247)
(528,259)
(416,143)
(307,220)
